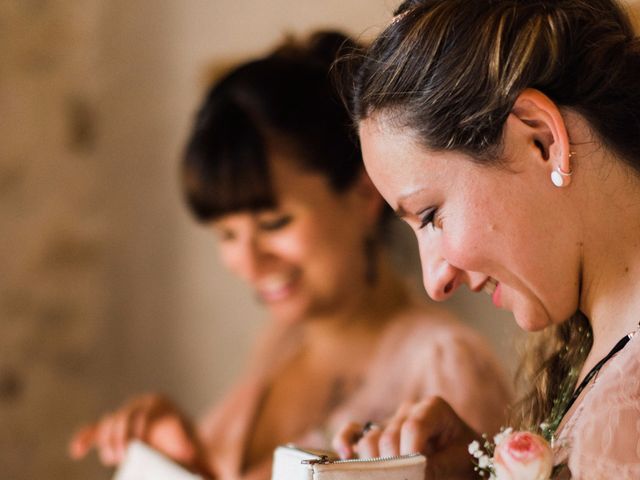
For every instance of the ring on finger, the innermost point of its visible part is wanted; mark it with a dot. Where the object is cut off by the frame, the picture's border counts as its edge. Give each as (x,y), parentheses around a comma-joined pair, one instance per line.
(370,426)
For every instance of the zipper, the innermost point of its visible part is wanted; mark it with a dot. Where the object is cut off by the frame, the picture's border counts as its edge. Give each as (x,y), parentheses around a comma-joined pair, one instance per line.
(326,460)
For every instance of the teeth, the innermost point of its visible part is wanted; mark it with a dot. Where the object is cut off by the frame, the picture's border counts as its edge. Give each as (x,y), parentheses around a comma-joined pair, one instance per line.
(490,286)
(274,283)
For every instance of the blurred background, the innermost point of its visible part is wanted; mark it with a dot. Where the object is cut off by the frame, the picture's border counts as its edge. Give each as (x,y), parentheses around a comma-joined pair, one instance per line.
(107,287)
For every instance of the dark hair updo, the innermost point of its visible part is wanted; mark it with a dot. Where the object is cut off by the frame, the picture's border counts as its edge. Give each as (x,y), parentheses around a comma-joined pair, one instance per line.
(286,96)
(451,70)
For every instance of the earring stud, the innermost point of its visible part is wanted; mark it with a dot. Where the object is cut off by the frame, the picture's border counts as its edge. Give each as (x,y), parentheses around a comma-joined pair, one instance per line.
(560,178)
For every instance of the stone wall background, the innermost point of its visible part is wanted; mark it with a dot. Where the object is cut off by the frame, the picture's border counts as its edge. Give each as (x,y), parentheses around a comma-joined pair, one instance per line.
(54,360)
(107,288)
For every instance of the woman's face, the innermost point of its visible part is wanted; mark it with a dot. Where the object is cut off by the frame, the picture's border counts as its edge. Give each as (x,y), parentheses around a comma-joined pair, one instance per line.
(305,258)
(482,225)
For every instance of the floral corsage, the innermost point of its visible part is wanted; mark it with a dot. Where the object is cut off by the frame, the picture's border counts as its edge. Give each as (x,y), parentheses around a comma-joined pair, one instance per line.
(513,456)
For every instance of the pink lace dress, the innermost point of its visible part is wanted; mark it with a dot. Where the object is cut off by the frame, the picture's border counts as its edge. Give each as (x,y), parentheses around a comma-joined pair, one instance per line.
(601,435)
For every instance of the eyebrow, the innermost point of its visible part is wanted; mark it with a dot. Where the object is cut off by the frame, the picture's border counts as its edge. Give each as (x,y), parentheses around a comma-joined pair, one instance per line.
(400,211)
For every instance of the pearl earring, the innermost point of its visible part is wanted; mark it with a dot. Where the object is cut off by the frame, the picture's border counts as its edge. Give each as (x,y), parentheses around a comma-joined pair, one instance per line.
(559,177)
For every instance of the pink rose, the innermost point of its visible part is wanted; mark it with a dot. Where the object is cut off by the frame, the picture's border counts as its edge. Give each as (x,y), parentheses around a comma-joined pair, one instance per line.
(523,456)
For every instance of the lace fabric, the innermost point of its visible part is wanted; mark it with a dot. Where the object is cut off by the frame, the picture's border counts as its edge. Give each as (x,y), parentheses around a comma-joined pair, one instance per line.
(601,439)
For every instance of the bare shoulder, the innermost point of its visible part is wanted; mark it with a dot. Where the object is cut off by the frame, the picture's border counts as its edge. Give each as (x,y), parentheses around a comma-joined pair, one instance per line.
(433,330)
(431,321)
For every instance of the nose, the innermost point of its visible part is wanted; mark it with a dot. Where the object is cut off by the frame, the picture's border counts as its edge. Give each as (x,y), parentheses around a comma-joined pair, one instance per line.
(440,278)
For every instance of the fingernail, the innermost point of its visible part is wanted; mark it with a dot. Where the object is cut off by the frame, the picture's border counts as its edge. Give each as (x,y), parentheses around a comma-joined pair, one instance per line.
(344,453)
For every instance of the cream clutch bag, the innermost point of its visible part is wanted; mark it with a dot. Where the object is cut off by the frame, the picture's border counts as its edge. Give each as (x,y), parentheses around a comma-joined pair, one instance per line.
(144,463)
(291,463)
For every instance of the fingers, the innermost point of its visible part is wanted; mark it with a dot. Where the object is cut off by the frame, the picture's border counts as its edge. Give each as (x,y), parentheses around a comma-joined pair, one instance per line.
(414,432)
(367,446)
(355,440)
(435,430)
(82,441)
(105,440)
(435,425)
(352,440)
(111,435)
(171,436)
(427,423)
(120,433)
(128,423)
(139,424)
(131,421)
(345,439)
(430,427)
(390,440)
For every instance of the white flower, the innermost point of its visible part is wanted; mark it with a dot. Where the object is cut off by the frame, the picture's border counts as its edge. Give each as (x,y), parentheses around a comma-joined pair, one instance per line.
(474,447)
(484,461)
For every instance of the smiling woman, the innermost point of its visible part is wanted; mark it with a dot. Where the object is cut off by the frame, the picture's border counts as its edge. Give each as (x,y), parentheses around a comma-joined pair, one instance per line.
(506,132)
(272,168)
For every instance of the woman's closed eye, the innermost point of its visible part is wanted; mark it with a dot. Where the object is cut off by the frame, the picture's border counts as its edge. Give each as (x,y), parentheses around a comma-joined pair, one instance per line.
(427,217)
(274,222)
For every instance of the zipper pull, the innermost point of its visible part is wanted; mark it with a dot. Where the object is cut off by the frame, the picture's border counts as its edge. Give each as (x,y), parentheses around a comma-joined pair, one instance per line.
(323,460)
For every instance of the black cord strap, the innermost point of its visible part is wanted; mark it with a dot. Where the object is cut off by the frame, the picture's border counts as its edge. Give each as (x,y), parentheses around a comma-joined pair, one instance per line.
(617,347)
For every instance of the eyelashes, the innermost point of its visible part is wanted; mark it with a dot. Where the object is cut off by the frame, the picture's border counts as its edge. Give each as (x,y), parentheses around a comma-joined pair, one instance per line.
(261,223)
(427,217)
(276,223)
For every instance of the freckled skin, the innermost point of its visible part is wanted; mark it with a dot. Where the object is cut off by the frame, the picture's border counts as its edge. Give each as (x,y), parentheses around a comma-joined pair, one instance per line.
(489,221)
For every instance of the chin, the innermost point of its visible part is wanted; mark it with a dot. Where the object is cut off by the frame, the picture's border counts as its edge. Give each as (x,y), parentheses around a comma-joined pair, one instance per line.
(532,320)
(288,313)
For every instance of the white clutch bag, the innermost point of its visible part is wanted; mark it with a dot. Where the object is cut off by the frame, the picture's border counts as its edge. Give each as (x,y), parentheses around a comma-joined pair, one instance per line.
(144,463)
(291,463)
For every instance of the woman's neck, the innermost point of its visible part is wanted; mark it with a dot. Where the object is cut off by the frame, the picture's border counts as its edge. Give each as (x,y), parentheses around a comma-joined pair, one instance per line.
(613,311)
(611,260)
(366,316)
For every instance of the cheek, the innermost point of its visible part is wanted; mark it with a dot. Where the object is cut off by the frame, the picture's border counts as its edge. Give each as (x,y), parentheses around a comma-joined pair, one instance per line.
(464,245)
(229,256)
(307,243)
(292,246)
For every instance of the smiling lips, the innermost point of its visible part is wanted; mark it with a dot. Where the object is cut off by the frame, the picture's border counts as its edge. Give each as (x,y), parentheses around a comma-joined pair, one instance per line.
(493,289)
(276,287)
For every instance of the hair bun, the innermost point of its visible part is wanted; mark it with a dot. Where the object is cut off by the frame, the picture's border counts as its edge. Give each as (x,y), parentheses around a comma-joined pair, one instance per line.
(322,47)
(327,45)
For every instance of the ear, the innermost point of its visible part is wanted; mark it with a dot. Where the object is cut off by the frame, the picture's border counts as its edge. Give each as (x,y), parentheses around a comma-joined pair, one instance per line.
(546,127)
(369,199)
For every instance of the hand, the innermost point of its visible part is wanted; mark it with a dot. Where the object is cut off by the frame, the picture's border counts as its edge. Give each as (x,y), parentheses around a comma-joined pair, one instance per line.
(151,418)
(430,427)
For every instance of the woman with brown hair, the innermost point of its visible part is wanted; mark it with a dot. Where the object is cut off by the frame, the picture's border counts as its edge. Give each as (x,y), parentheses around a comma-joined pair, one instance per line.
(507,134)
(271,167)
